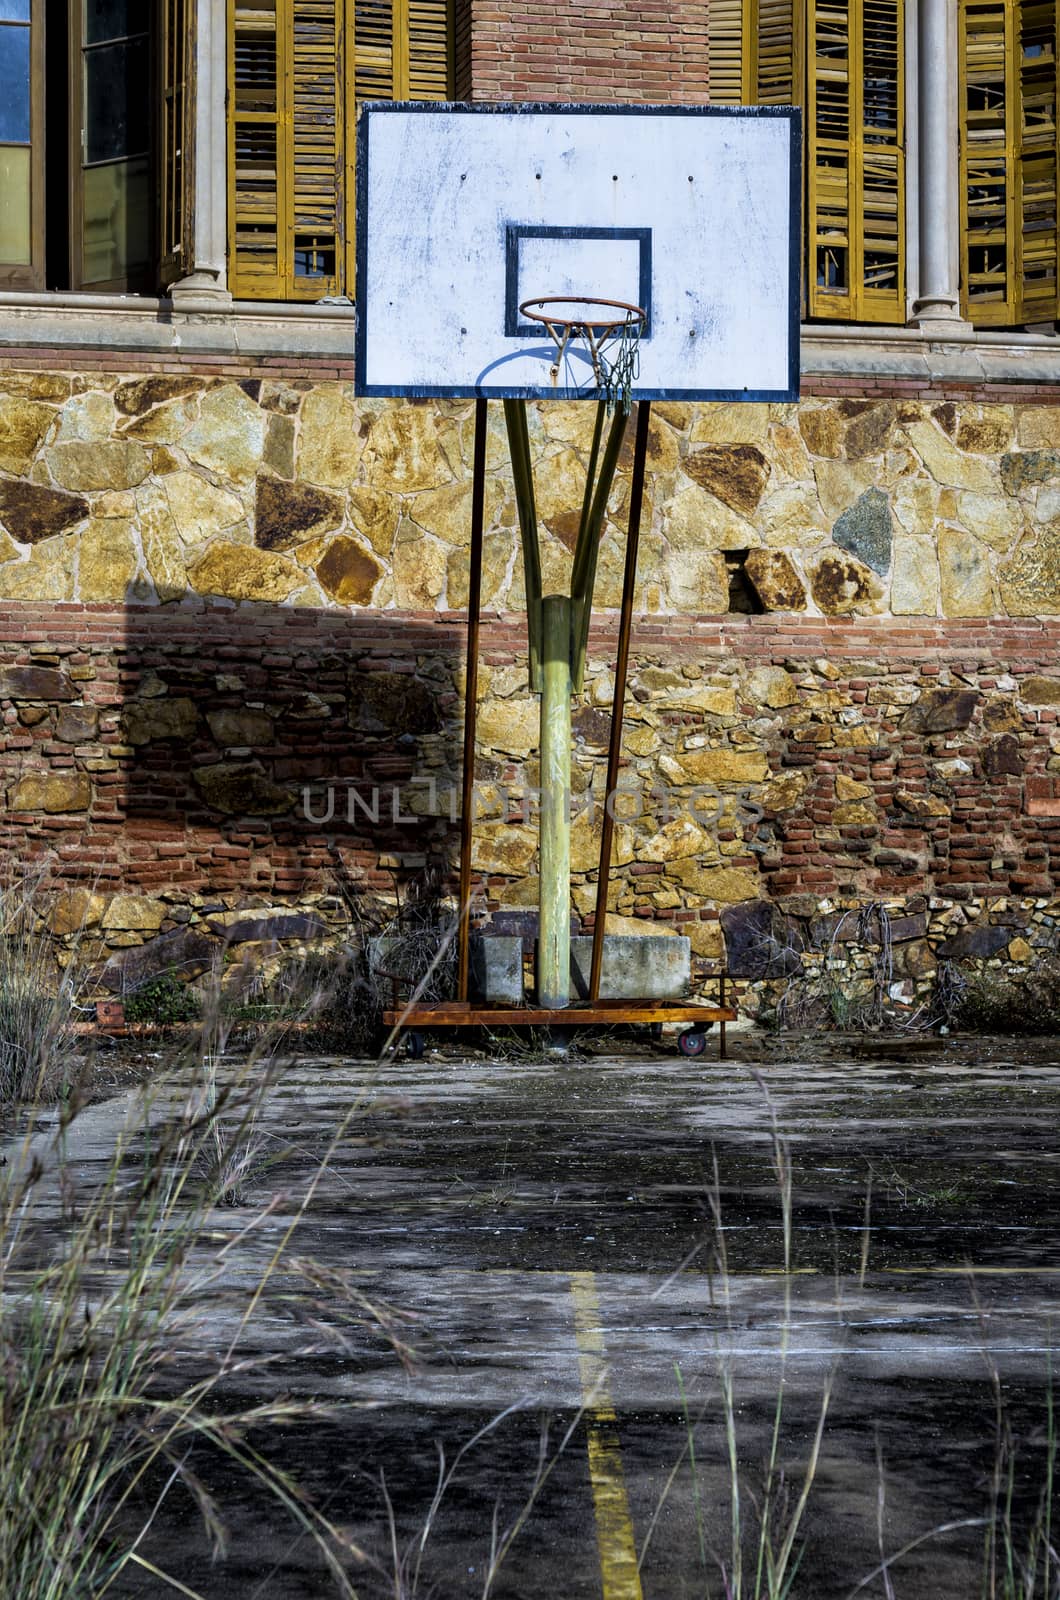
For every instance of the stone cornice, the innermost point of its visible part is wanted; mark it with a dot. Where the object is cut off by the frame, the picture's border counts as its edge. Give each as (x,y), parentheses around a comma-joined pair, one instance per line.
(249,331)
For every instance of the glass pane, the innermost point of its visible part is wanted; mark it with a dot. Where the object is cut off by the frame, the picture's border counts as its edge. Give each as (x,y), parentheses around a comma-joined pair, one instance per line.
(14,212)
(117,221)
(14,10)
(14,84)
(113,19)
(116,101)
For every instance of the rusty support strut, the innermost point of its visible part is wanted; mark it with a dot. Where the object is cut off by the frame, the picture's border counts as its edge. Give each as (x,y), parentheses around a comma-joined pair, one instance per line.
(614,752)
(474,607)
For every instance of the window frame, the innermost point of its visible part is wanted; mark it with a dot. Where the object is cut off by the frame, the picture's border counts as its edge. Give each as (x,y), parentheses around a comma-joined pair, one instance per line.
(131,283)
(31,275)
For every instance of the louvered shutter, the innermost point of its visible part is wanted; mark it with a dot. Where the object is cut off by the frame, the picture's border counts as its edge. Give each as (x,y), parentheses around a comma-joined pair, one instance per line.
(1036,172)
(844,60)
(257,192)
(177,139)
(727,51)
(297,69)
(316,149)
(777,38)
(881,180)
(856,159)
(1009,171)
(754,50)
(373,47)
(402,49)
(430,33)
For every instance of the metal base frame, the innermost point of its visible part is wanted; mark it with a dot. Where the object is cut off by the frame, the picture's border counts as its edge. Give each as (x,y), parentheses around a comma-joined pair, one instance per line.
(461,1013)
(408,1020)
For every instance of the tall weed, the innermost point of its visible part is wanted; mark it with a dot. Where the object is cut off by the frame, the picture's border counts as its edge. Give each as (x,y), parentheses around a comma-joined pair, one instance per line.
(102,1283)
(37,996)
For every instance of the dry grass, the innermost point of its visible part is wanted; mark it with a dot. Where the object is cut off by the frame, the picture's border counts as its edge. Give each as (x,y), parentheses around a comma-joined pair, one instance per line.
(100,1287)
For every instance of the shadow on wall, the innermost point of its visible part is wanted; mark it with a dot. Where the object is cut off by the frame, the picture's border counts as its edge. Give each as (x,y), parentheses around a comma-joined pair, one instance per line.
(176,764)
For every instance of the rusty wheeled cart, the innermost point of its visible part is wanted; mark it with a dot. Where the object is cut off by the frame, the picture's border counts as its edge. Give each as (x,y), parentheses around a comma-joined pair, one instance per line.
(692,1041)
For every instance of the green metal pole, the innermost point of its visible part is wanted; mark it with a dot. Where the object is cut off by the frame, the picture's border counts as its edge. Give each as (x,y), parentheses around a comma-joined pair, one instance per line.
(553,976)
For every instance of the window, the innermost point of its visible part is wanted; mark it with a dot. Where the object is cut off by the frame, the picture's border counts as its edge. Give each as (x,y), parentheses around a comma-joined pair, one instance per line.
(21,144)
(1008,153)
(93,196)
(296,70)
(111,148)
(844,62)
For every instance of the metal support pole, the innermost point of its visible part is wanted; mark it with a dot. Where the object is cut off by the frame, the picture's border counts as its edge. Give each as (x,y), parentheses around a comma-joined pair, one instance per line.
(614,753)
(474,606)
(553,976)
(583,572)
(523,478)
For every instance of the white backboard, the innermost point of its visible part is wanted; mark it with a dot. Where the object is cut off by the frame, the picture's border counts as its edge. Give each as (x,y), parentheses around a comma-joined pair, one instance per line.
(465,211)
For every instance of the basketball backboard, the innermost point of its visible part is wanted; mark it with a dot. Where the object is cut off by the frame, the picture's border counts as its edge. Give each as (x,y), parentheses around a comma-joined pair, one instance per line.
(465,212)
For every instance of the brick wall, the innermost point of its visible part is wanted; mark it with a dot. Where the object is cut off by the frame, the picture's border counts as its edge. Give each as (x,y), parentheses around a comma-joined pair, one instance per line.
(157,762)
(612,51)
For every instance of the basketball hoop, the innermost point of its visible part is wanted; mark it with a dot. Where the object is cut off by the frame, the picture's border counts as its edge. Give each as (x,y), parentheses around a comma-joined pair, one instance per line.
(610,330)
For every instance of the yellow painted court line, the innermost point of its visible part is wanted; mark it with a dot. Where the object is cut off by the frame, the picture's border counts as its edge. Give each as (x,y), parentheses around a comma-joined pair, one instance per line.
(614,1526)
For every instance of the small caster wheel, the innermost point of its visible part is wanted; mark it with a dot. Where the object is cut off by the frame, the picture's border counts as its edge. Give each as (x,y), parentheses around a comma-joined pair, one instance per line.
(413,1045)
(692,1042)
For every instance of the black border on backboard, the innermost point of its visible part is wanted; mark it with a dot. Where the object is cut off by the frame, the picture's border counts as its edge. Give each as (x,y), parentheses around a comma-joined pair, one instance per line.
(374,108)
(516,232)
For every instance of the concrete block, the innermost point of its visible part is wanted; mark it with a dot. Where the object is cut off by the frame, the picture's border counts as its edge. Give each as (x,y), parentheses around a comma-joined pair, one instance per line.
(643,967)
(496,969)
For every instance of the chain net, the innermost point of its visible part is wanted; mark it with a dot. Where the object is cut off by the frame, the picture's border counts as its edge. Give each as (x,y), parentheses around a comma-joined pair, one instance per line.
(612,342)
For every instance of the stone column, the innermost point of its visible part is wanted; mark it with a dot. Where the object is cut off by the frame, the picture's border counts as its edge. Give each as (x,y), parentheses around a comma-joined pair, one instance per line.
(937,167)
(206,285)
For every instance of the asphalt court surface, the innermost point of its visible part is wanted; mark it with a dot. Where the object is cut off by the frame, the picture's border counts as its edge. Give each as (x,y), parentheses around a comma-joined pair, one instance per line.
(600,1275)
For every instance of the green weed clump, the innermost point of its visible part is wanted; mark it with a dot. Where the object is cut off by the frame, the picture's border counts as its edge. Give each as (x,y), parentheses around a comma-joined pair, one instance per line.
(162,1000)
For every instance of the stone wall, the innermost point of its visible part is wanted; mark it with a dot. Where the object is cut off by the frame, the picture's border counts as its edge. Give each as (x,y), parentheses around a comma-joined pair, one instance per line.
(233,597)
(176,766)
(153,489)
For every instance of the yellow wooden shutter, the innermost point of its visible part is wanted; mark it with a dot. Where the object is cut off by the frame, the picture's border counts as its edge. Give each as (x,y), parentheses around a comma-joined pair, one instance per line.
(755,52)
(177,139)
(1009,171)
(777,37)
(402,49)
(845,61)
(316,150)
(430,65)
(726,24)
(297,69)
(257,170)
(373,50)
(856,159)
